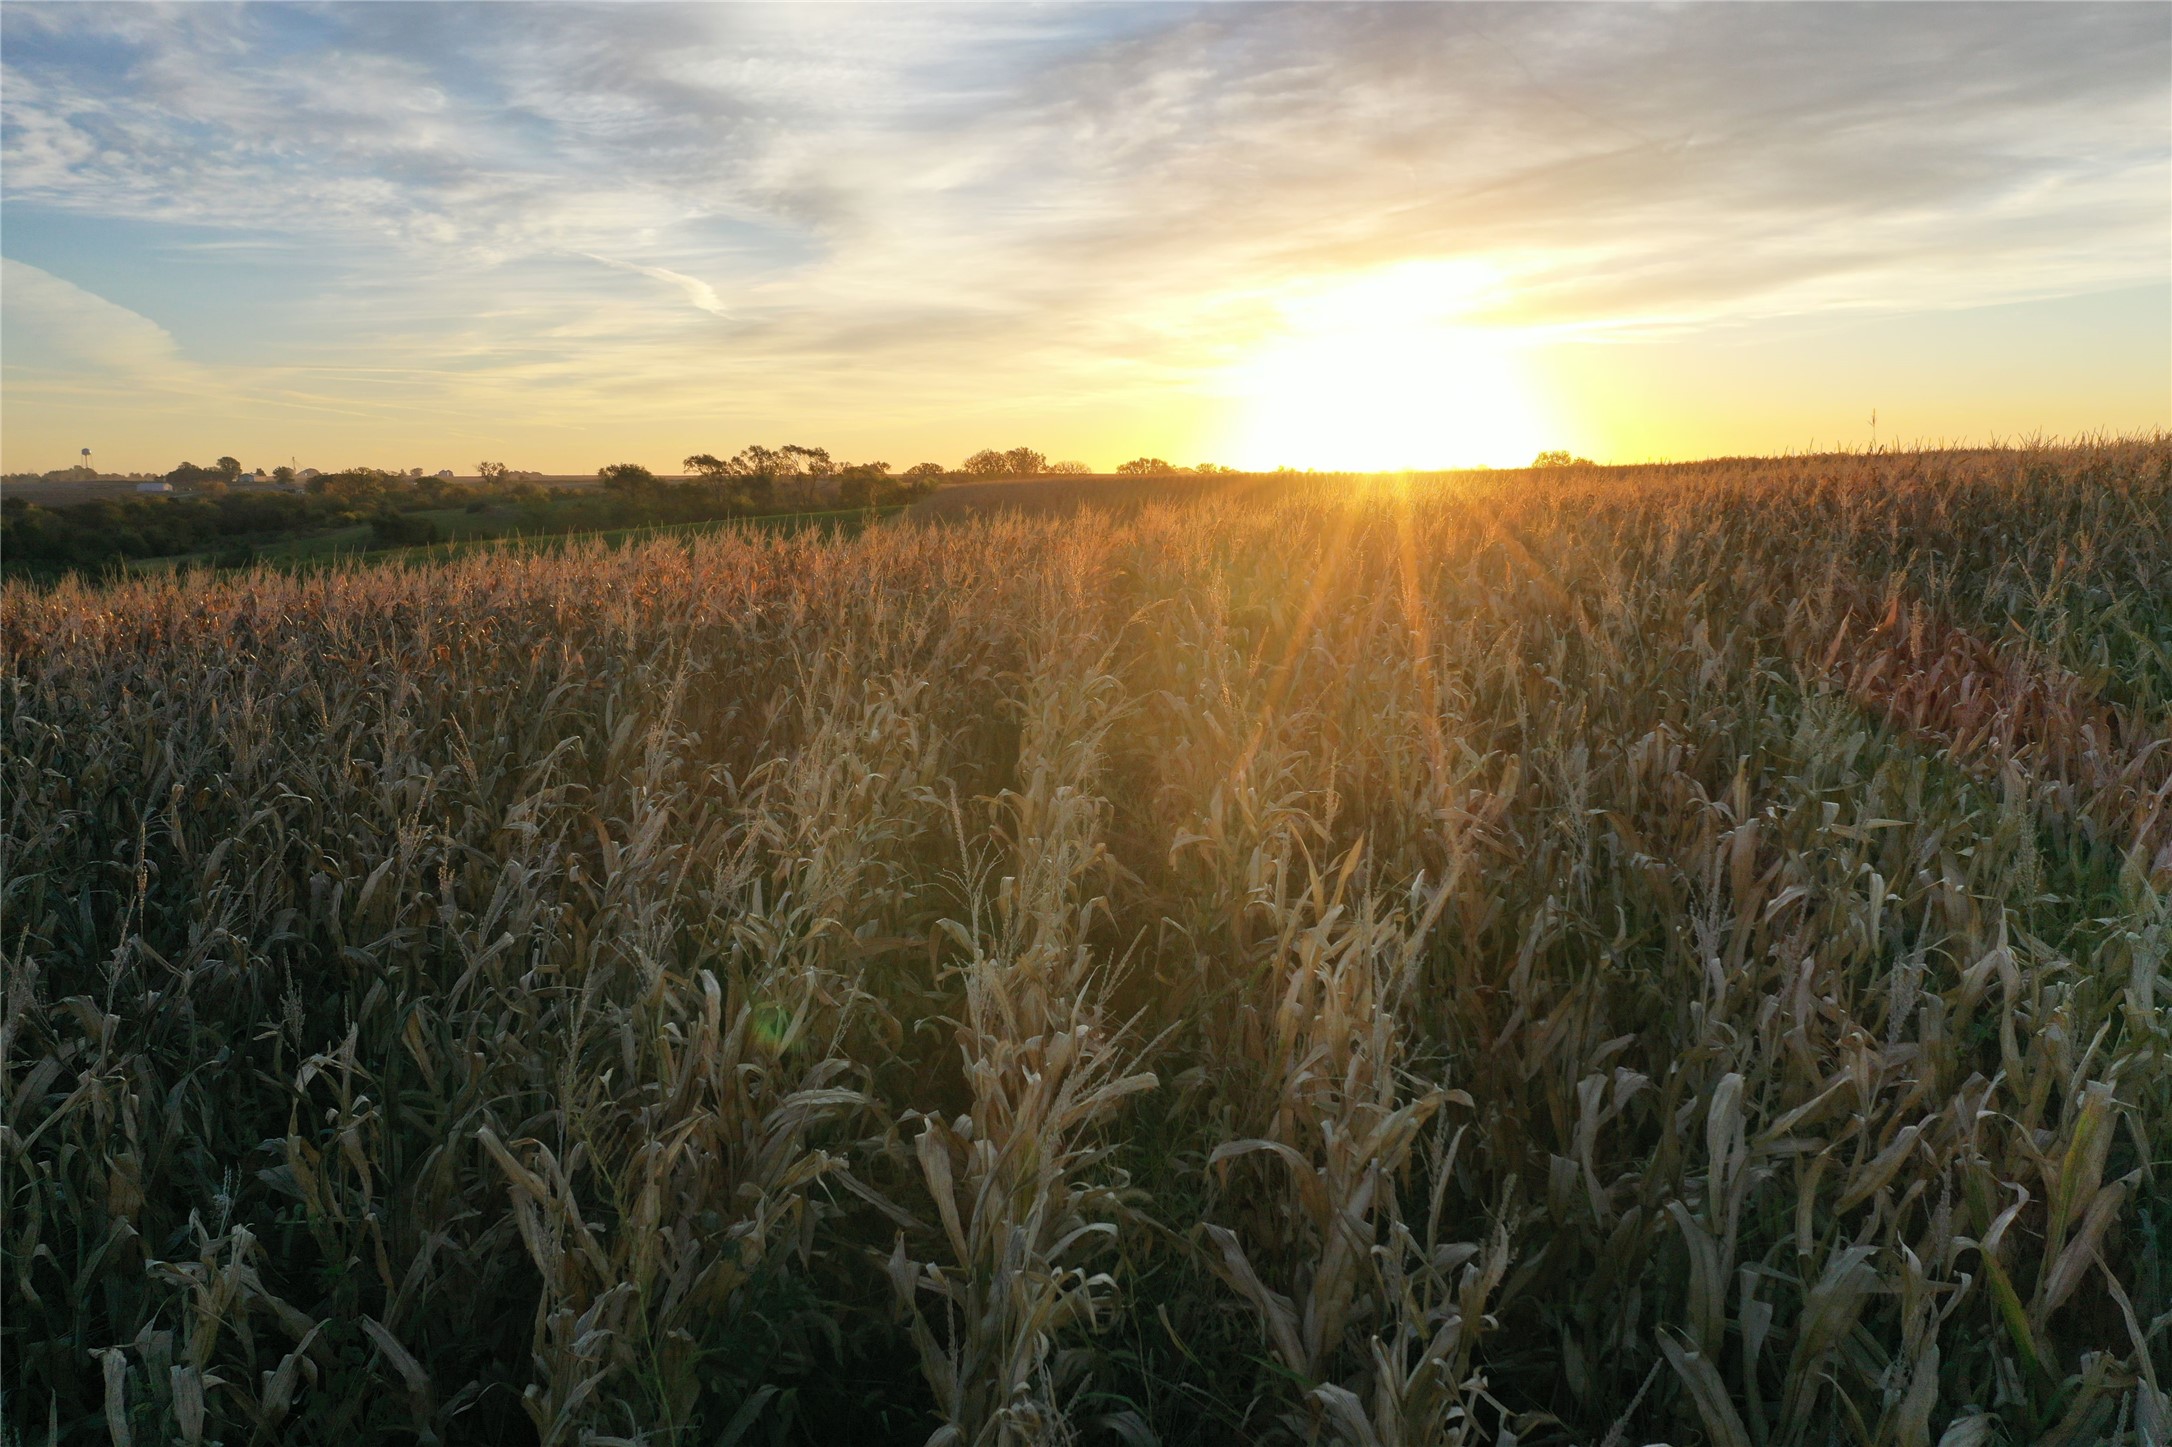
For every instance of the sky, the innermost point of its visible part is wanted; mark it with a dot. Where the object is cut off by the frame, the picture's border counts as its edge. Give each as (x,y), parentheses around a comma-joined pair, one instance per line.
(1315,235)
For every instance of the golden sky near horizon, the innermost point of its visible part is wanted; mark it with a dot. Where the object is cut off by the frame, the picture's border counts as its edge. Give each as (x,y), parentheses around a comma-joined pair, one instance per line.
(1313,235)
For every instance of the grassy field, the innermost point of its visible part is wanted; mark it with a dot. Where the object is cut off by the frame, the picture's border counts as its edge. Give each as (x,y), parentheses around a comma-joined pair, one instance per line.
(957,501)
(1596,957)
(467,533)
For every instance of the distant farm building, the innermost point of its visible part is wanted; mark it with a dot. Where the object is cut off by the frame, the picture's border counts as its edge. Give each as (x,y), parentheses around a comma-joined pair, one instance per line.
(154,487)
(446,473)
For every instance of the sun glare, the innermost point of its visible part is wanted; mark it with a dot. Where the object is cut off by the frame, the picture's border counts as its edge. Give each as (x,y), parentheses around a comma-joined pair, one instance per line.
(1383,372)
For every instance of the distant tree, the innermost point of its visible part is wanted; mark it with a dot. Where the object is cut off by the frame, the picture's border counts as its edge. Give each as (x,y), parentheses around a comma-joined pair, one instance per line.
(228,468)
(1018,462)
(759,461)
(357,485)
(747,479)
(763,469)
(1067,469)
(925,469)
(863,484)
(1214,469)
(1145,467)
(757,469)
(1561,459)
(491,472)
(626,477)
(188,473)
(789,471)
(283,474)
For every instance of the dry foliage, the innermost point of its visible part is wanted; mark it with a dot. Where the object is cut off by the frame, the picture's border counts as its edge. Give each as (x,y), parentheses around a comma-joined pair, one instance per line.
(1650,954)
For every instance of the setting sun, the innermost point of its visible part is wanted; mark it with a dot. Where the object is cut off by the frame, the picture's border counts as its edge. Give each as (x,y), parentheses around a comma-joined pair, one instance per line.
(1383,372)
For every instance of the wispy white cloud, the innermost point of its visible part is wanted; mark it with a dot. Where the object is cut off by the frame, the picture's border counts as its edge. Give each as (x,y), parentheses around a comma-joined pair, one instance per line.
(699,292)
(58,333)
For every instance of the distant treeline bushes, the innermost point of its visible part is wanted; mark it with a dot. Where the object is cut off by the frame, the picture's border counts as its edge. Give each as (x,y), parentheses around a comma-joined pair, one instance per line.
(107,530)
(401,510)
(211,522)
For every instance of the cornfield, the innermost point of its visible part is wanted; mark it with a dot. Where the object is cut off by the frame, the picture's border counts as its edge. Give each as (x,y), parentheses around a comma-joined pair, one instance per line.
(1628,955)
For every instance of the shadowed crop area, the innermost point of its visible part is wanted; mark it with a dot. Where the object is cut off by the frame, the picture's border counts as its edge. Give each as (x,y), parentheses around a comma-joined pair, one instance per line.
(1598,956)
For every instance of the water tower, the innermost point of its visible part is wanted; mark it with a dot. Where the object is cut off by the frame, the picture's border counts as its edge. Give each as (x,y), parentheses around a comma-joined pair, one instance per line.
(87,462)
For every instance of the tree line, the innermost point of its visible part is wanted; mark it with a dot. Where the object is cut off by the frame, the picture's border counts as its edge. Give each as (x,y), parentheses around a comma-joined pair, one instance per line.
(767,471)
(759,476)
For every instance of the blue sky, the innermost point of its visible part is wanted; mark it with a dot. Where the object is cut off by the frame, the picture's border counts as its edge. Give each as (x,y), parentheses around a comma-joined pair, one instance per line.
(1425,234)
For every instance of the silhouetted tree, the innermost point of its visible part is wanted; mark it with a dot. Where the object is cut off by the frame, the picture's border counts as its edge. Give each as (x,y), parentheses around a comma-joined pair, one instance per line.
(630,478)
(749,477)
(925,469)
(756,461)
(1561,459)
(1145,467)
(1018,462)
(356,486)
(1067,469)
